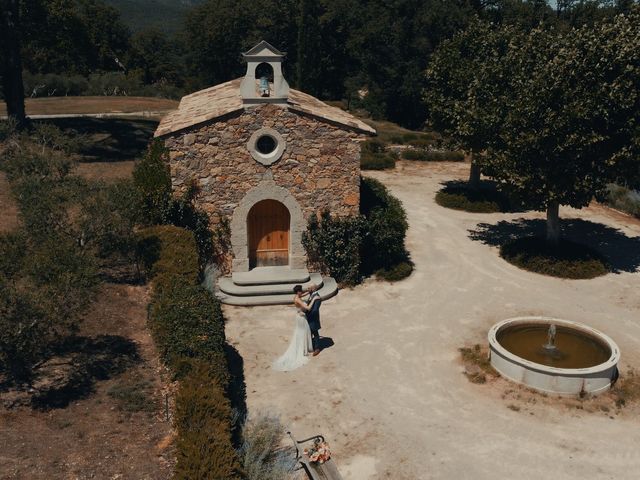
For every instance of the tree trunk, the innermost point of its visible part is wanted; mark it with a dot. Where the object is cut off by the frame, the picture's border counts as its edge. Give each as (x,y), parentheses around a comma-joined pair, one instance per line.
(553,223)
(474,173)
(12,61)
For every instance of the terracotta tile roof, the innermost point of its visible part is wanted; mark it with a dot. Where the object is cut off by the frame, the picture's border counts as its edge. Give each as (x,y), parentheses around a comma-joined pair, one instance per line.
(223,99)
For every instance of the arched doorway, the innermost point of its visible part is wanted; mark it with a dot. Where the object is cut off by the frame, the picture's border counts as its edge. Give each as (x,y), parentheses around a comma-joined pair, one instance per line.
(268,225)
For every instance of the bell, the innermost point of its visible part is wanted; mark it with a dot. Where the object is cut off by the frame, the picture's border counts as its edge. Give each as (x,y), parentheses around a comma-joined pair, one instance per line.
(264,87)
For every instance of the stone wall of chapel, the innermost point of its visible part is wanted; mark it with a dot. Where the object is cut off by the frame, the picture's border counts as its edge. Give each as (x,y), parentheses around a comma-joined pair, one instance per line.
(320,165)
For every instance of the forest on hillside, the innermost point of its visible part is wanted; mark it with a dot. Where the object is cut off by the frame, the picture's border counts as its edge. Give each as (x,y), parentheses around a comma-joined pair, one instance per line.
(335,48)
(165,15)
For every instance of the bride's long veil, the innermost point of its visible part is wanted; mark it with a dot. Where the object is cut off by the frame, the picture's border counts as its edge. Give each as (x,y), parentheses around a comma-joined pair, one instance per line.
(296,354)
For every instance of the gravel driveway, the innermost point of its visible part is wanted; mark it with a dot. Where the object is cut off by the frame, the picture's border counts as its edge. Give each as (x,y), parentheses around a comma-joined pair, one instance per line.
(390,395)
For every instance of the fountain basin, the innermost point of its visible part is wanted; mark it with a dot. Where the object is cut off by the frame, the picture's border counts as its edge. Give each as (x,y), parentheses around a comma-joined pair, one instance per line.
(585,361)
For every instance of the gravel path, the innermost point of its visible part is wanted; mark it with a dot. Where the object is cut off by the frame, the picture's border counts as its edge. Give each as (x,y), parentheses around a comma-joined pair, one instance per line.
(390,395)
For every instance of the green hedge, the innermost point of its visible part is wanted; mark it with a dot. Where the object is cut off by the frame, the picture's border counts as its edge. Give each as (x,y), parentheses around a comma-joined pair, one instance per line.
(431,156)
(165,251)
(374,156)
(203,419)
(187,324)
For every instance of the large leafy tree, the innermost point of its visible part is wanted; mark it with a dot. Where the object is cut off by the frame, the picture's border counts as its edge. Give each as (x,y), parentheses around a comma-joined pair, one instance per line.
(572,120)
(155,56)
(11,60)
(465,89)
(76,36)
(217,31)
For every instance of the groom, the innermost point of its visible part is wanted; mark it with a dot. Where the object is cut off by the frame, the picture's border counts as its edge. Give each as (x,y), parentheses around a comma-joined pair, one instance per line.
(313,317)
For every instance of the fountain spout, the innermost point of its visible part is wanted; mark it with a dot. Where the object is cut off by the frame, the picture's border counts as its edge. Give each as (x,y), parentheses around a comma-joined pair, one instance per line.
(551,338)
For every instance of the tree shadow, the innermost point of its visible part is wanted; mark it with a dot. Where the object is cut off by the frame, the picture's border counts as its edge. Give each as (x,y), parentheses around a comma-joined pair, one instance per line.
(72,370)
(111,139)
(621,252)
(236,391)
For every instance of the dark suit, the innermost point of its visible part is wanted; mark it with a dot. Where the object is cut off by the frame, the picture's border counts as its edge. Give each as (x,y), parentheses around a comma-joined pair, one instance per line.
(313,317)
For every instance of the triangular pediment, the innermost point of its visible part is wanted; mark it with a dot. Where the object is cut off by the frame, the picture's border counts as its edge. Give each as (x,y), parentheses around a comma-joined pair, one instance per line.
(264,49)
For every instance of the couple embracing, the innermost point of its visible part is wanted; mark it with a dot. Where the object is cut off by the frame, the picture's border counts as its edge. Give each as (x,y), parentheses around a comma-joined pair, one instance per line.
(305,339)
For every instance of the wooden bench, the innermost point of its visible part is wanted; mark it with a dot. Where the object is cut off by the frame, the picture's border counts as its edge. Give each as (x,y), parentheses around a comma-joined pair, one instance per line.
(315,471)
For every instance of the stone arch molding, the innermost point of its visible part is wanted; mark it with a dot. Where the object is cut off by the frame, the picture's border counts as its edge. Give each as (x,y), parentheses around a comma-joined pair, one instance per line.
(266,190)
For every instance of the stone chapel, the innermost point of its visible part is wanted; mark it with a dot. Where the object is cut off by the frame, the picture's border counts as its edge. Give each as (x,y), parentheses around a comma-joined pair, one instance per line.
(266,157)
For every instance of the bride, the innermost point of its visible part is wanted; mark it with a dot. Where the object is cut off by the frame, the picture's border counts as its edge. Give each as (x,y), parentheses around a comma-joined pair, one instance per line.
(300,345)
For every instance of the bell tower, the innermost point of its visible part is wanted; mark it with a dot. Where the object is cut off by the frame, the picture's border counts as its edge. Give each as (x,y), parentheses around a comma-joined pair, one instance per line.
(264,82)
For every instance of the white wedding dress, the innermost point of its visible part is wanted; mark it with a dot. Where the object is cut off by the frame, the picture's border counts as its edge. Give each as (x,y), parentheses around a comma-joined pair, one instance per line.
(299,347)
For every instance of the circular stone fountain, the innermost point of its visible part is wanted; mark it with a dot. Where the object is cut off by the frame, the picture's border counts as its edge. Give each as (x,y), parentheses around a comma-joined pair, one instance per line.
(554,356)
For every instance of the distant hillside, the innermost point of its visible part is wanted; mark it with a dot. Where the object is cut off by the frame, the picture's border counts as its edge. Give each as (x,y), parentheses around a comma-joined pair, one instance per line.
(164,14)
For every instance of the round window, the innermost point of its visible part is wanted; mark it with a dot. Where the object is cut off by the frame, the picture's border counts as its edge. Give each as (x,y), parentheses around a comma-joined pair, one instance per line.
(266,144)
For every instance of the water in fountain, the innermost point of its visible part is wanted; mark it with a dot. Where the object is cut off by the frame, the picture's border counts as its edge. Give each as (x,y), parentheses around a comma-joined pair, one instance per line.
(564,347)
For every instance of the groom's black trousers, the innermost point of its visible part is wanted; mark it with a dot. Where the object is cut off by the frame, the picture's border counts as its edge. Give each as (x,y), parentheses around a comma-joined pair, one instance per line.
(315,339)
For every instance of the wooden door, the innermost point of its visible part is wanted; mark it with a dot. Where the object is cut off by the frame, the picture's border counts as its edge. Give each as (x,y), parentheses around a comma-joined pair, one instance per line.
(268,227)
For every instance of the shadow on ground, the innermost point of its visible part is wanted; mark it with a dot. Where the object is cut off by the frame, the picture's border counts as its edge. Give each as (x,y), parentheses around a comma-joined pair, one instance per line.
(73,369)
(622,252)
(111,139)
(325,342)
(236,391)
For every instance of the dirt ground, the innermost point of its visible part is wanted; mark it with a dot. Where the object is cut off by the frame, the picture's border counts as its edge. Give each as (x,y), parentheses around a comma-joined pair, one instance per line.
(112,427)
(79,105)
(390,395)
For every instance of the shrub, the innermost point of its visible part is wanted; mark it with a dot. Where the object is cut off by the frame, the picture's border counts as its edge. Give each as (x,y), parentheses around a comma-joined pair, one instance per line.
(484,199)
(432,156)
(566,260)
(166,251)
(187,322)
(396,273)
(459,201)
(352,248)
(386,220)
(157,206)
(374,156)
(203,419)
(152,181)
(182,212)
(262,454)
(7,128)
(377,161)
(373,146)
(421,142)
(133,397)
(623,199)
(333,244)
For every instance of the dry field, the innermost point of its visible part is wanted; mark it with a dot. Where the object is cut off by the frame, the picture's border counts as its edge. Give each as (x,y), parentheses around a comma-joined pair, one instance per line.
(93,105)
(112,424)
(108,421)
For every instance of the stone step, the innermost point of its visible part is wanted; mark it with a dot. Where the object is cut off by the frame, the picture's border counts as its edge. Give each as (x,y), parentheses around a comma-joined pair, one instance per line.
(226,285)
(271,276)
(328,290)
